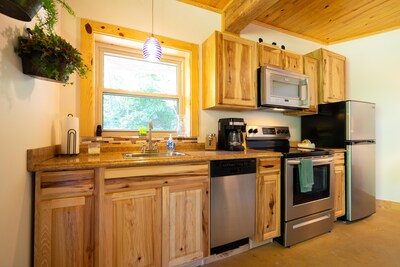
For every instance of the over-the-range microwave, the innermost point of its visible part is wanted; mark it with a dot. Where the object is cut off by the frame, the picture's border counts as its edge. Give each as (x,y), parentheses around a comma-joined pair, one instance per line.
(282,89)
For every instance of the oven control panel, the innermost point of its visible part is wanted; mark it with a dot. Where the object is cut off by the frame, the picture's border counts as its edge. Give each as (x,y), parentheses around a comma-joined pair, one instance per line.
(267,132)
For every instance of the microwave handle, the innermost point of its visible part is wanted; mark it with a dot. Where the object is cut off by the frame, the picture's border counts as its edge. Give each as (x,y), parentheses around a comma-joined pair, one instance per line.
(303,91)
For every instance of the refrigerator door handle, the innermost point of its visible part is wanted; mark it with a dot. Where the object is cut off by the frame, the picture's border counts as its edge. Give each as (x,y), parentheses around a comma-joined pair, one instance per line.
(359,142)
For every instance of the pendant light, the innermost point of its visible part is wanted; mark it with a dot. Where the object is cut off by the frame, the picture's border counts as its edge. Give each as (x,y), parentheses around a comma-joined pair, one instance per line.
(152,48)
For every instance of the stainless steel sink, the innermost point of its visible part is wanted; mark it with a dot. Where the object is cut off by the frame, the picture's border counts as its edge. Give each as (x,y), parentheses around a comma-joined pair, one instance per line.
(152,155)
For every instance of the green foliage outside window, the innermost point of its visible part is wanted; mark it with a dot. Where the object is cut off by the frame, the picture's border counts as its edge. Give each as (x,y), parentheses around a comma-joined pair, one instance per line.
(123,112)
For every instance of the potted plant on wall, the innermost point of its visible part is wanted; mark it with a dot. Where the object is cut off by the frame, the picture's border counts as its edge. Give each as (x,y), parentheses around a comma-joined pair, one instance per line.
(45,54)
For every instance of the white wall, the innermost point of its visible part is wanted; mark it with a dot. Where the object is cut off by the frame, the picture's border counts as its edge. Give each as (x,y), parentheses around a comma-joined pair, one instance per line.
(374,76)
(28,108)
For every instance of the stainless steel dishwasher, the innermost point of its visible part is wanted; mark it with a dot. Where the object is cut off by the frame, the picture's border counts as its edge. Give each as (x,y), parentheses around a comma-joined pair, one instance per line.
(233,203)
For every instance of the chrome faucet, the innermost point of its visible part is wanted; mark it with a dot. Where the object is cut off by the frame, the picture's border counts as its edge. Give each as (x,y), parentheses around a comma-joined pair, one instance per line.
(150,147)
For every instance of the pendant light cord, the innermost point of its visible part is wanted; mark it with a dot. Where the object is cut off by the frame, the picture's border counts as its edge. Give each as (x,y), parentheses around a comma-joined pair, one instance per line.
(152,17)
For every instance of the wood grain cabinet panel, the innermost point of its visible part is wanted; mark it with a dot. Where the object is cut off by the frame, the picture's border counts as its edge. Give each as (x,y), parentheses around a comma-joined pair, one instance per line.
(292,62)
(229,72)
(132,226)
(340,176)
(185,217)
(331,76)
(155,215)
(268,199)
(270,55)
(64,227)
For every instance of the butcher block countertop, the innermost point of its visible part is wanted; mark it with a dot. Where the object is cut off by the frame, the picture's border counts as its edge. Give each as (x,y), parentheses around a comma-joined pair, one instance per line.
(46,159)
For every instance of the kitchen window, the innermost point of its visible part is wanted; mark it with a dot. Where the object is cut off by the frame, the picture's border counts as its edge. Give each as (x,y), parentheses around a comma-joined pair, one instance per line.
(126,44)
(131,90)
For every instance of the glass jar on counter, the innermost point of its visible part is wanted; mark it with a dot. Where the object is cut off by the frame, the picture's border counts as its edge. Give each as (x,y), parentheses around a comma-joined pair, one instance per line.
(211,142)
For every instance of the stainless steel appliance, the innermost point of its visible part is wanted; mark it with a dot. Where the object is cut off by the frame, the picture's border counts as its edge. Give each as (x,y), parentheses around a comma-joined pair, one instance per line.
(230,134)
(305,213)
(233,202)
(280,88)
(350,125)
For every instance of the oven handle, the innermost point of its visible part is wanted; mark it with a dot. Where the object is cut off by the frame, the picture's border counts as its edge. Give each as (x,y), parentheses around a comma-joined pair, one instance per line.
(315,161)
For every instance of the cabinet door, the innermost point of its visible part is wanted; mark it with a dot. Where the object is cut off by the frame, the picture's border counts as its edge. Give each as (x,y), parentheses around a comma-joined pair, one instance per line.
(339,204)
(185,223)
(268,199)
(292,62)
(340,176)
(64,211)
(311,69)
(132,226)
(269,56)
(333,71)
(145,206)
(66,232)
(238,74)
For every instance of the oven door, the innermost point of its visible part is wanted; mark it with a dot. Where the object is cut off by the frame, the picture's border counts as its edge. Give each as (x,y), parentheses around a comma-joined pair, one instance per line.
(320,198)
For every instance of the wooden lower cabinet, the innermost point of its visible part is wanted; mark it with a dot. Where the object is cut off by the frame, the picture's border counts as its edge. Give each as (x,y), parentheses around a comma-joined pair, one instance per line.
(183,209)
(268,199)
(132,228)
(64,211)
(154,216)
(340,176)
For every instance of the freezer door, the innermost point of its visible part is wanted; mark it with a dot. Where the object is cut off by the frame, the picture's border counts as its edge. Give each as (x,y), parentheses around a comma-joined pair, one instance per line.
(360,121)
(360,181)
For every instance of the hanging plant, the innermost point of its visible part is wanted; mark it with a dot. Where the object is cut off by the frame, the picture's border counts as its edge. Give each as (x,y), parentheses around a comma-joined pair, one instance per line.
(45,54)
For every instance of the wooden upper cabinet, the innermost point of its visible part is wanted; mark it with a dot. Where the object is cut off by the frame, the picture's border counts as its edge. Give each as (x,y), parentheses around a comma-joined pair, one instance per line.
(270,55)
(64,225)
(292,62)
(229,72)
(311,69)
(331,76)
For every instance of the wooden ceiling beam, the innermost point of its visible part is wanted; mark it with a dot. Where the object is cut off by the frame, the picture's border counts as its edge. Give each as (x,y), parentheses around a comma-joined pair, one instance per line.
(240,13)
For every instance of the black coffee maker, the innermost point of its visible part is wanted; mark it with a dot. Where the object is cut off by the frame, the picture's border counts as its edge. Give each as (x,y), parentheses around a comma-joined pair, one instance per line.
(230,135)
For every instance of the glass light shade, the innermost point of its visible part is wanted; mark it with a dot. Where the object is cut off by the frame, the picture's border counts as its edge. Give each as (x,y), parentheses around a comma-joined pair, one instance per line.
(152,49)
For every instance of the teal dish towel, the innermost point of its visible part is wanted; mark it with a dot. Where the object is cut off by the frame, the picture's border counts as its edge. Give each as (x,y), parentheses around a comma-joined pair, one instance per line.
(306,175)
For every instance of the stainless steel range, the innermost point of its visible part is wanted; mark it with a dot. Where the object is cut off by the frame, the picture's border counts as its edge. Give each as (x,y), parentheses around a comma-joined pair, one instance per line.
(307,177)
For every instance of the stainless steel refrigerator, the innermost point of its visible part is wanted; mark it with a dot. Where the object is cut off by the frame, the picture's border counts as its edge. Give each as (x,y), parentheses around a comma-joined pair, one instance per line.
(350,125)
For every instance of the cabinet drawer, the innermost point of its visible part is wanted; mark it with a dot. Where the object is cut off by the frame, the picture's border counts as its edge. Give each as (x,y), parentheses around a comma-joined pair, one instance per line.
(65,183)
(269,164)
(123,179)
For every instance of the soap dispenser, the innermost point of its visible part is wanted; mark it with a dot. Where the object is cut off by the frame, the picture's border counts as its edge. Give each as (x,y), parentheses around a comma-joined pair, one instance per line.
(170,144)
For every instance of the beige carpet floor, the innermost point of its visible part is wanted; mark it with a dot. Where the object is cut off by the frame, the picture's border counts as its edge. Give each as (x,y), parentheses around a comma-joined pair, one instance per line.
(373,241)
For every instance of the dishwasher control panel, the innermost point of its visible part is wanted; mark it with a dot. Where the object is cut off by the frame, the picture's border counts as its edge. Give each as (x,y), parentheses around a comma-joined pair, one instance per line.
(232,167)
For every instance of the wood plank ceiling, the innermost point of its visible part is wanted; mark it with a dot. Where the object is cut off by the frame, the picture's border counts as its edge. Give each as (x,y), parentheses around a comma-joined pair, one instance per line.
(324,21)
